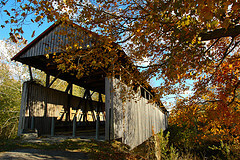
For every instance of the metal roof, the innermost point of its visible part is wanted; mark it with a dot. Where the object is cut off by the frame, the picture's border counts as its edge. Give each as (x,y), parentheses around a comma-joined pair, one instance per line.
(51,39)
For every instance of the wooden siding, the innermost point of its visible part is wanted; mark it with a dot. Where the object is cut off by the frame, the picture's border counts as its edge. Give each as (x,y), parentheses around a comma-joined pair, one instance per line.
(45,103)
(56,39)
(134,120)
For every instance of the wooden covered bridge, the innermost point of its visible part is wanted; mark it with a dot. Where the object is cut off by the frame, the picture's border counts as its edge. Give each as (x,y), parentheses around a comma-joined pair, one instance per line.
(53,112)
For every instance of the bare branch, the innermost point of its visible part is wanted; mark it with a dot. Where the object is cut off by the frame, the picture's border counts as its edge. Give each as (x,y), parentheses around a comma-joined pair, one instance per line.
(226,53)
(212,45)
(150,66)
(6,122)
(234,93)
(125,40)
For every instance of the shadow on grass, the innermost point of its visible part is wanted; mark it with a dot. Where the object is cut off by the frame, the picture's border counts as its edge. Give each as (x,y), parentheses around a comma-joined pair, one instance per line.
(95,149)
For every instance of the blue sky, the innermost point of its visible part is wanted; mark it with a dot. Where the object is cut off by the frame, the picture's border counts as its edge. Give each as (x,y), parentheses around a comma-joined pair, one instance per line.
(28,28)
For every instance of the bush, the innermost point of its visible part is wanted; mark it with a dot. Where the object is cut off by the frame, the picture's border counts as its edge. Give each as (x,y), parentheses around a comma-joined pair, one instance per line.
(228,151)
(187,143)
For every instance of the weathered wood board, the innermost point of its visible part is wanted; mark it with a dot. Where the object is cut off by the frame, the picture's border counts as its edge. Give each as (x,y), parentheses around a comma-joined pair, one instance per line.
(45,103)
(133,120)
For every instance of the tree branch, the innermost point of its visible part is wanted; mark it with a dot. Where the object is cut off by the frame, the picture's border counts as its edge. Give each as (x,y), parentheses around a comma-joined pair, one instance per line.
(226,53)
(149,66)
(212,45)
(219,33)
(234,93)
(125,40)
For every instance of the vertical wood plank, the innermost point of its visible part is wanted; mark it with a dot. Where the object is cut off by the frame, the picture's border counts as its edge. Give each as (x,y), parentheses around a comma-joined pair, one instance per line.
(23,109)
(97,123)
(74,126)
(107,107)
(52,126)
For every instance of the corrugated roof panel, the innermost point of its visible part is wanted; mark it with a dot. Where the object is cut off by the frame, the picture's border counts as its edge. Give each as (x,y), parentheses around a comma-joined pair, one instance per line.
(53,42)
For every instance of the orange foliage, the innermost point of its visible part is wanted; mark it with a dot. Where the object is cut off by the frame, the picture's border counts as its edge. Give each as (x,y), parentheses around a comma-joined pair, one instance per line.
(167,33)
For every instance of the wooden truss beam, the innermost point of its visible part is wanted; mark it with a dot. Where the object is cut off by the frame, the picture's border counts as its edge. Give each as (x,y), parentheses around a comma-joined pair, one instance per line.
(55,78)
(30,72)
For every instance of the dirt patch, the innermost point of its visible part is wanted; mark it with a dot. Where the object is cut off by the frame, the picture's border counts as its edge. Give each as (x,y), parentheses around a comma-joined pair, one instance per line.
(37,154)
(42,153)
(55,139)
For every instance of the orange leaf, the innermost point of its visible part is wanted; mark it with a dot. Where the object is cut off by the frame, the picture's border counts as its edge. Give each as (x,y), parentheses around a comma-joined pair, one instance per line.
(33,34)
(7,12)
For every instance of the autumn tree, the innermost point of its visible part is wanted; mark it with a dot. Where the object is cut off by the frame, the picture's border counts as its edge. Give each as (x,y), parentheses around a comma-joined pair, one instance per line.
(11,75)
(182,40)
(10,98)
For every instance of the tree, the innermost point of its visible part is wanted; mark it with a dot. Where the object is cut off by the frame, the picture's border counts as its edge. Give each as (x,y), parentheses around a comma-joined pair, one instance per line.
(10,98)
(208,120)
(12,74)
(10,90)
(172,35)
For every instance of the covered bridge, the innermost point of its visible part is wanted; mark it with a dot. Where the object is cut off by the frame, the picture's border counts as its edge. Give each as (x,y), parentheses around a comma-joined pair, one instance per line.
(131,120)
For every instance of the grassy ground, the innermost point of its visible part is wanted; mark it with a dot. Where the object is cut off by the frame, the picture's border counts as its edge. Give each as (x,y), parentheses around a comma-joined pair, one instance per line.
(155,146)
(94,149)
